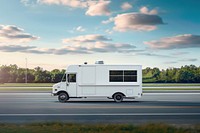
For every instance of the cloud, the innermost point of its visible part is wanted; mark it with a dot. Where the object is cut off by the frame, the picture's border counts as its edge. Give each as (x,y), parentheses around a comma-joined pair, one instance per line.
(94,7)
(14,48)
(136,22)
(87,44)
(180,53)
(86,38)
(155,55)
(96,43)
(182,60)
(70,3)
(14,34)
(126,6)
(190,59)
(175,42)
(109,31)
(30,3)
(99,9)
(111,47)
(108,21)
(145,10)
(80,29)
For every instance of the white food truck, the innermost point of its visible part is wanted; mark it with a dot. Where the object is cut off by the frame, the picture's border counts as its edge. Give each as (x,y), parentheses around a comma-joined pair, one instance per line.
(112,81)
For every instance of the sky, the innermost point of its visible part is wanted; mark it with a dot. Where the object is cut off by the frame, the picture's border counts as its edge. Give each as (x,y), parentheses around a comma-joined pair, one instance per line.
(53,34)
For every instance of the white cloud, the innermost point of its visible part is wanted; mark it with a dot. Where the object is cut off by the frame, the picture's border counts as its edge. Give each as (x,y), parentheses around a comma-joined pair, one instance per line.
(87,44)
(99,9)
(80,29)
(94,7)
(14,48)
(136,21)
(155,55)
(30,3)
(189,60)
(86,38)
(175,42)
(180,53)
(108,21)
(70,3)
(14,34)
(145,10)
(126,6)
(109,31)
(96,43)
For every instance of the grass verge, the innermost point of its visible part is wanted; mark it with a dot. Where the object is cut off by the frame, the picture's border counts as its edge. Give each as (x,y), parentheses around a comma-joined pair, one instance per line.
(171,89)
(95,128)
(26,85)
(169,84)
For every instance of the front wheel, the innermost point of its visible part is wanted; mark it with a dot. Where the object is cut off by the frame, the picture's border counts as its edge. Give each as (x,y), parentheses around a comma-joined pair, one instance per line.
(63,97)
(118,97)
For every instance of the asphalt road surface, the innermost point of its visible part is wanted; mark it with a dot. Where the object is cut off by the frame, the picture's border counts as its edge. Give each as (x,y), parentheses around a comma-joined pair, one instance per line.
(172,108)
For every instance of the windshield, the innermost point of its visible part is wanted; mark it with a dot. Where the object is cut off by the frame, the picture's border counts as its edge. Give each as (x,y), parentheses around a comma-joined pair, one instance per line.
(63,78)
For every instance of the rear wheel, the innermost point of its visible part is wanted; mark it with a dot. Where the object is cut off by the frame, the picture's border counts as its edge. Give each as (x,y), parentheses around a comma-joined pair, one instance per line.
(63,97)
(118,97)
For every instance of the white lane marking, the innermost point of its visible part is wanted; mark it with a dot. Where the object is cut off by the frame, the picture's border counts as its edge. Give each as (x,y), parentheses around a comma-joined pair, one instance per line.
(113,114)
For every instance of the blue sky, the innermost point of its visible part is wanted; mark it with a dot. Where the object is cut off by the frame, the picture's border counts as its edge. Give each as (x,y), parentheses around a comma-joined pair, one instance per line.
(56,33)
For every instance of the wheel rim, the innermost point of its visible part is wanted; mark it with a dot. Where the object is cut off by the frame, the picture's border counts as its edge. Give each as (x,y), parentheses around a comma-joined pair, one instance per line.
(62,97)
(118,97)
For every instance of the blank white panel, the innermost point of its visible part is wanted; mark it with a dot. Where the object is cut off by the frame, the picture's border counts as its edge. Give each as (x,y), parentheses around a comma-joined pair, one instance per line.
(88,75)
(88,90)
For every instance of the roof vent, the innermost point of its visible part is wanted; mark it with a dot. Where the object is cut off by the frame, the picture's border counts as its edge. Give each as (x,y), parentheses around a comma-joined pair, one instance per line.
(85,63)
(99,62)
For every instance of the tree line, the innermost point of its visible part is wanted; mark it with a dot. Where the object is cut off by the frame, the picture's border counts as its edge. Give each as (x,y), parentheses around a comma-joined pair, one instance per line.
(14,74)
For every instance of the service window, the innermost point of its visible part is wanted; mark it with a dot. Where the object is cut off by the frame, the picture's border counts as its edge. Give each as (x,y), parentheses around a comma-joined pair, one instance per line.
(71,78)
(123,76)
(116,75)
(130,76)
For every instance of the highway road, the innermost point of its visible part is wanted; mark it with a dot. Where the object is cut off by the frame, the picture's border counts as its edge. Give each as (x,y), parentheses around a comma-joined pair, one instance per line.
(173,108)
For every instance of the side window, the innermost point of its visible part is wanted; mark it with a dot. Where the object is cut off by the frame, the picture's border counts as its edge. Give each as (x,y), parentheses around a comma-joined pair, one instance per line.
(71,78)
(63,78)
(123,75)
(130,76)
(116,76)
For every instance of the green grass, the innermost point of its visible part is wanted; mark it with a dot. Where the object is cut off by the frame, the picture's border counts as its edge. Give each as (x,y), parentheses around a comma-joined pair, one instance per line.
(25,89)
(171,88)
(169,84)
(28,85)
(95,128)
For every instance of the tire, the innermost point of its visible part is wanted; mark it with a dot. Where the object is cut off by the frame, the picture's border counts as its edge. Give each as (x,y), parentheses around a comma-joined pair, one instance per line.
(118,97)
(63,97)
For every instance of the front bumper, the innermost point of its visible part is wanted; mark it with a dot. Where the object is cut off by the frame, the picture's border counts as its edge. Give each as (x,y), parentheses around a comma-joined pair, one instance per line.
(53,94)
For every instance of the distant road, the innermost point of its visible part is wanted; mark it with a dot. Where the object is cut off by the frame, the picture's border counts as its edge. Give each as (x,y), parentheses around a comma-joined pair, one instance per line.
(147,87)
(151,89)
(171,108)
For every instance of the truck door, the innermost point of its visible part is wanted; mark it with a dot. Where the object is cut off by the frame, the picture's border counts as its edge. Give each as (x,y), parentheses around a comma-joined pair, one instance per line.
(72,85)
